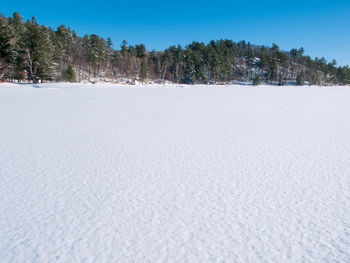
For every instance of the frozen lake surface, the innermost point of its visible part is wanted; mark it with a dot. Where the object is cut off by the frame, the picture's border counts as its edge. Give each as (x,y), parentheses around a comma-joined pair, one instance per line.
(174,174)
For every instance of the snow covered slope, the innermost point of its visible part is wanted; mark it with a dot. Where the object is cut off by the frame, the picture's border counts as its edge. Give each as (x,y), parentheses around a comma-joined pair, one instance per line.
(194,174)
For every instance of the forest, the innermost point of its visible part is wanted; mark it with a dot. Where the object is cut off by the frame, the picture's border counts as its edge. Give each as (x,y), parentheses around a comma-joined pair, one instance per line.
(30,52)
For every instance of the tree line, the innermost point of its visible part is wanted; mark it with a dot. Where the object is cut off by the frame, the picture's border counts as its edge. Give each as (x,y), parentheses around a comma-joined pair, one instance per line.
(36,53)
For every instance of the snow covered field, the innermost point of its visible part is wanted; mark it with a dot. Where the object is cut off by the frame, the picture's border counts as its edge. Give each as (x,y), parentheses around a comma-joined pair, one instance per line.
(194,174)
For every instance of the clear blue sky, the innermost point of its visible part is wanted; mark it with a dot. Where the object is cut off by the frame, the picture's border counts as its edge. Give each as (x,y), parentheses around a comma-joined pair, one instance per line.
(322,27)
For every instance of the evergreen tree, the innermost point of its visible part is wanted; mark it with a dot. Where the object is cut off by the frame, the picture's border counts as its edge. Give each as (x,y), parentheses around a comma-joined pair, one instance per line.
(94,51)
(143,71)
(38,52)
(6,49)
(300,79)
(69,74)
(140,50)
(109,43)
(190,71)
(272,69)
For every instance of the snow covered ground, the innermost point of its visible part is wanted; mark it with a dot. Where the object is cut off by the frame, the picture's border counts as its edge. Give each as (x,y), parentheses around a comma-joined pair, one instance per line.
(192,174)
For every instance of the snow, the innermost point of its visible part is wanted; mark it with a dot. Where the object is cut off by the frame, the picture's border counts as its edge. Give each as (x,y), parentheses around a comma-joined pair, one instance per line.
(93,173)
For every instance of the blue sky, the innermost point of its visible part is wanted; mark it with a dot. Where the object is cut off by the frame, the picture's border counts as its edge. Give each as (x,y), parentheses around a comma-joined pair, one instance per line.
(322,27)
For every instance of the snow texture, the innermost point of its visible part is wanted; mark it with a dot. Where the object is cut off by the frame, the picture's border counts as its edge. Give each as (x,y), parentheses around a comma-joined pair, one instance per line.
(177,174)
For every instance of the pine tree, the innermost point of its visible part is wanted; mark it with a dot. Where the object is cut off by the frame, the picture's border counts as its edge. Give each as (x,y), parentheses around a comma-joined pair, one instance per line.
(109,43)
(190,71)
(300,79)
(143,71)
(6,49)
(69,74)
(140,50)
(38,52)
(272,69)
(94,51)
